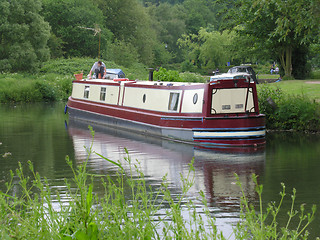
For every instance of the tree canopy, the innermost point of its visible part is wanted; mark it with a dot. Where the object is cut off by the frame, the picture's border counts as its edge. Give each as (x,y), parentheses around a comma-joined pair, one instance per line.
(279,26)
(196,35)
(23,35)
(74,23)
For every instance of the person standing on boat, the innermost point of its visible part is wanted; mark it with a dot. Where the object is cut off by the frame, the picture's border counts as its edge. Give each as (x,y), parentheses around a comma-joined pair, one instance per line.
(98,68)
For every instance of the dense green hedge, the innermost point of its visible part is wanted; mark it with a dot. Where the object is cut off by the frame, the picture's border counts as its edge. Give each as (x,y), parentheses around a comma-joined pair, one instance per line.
(296,112)
(34,88)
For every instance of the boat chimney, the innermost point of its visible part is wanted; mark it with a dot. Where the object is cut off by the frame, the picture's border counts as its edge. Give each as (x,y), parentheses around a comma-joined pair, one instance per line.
(151,74)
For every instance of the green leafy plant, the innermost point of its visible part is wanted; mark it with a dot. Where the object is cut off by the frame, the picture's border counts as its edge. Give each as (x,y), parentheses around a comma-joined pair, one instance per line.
(284,111)
(192,77)
(260,224)
(167,75)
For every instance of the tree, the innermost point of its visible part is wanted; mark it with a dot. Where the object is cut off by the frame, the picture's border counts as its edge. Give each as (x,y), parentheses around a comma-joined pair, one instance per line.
(73,23)
(208,49)
(129,21)
(200,13)
(169,24)
(23,36)
(277,25)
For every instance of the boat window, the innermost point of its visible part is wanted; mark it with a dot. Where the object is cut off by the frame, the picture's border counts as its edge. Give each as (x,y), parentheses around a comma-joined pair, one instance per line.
(144,98)
(103,93)
(195,98)
(234,100)
(86,91)
(173,101)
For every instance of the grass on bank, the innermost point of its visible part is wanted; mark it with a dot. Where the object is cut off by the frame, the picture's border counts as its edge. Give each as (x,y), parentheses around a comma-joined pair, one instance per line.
(309,88)
(29,210)
(268,76)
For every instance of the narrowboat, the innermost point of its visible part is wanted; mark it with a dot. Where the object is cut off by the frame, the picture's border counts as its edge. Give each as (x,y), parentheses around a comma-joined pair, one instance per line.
(221,113)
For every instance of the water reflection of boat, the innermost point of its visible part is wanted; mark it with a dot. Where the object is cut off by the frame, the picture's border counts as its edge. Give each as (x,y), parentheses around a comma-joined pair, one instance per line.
(214,170)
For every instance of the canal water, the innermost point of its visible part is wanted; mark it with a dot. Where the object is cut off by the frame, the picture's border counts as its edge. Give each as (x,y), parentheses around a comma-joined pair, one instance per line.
(43,134)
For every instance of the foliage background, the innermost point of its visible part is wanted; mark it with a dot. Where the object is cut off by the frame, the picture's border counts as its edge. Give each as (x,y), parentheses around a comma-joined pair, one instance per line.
(184,35)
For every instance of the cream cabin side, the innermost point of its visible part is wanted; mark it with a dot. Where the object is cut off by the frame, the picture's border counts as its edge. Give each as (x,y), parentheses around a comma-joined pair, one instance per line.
(179,99)
(159,100)
(193,101)
(98,93)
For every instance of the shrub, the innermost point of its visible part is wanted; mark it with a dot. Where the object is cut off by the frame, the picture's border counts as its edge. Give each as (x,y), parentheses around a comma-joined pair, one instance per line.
(192,77)
(296,112)
(34,88)
(47,91)
(54,82)
(167,75)
(260,224)
(315,74)
(67,67)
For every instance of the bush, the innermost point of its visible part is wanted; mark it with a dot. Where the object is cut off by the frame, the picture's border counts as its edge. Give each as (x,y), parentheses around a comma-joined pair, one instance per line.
(315,74)
(67,67)
(296,112)
(192,77)
(167,75)
(264,94)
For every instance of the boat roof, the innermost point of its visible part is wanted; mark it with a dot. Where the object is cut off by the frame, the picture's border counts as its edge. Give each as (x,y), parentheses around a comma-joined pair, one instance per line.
(142,82)
(228,76)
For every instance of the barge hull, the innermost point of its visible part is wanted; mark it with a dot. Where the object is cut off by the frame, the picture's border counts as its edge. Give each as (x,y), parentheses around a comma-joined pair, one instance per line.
(199,134)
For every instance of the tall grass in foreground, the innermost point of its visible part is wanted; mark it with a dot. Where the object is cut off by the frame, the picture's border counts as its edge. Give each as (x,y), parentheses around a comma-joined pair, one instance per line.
(28,210)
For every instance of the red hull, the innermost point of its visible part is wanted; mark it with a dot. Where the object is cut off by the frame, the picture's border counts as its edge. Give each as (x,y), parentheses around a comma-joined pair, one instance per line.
(179,122)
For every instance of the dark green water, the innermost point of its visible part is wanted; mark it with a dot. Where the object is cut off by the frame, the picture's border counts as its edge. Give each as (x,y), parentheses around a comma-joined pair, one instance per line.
(43,134)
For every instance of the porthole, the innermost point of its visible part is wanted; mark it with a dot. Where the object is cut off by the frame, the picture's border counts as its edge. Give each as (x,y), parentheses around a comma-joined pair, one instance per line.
(144,98)
(195,98)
